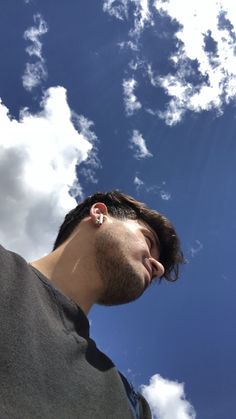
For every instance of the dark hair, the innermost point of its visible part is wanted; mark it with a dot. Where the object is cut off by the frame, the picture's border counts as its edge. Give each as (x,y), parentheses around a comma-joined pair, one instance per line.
(120,205)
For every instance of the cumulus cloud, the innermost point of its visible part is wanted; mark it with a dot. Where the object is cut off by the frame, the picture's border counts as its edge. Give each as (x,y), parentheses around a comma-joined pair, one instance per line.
(205,61)
(203,64)
(38,182)
(35,71)
(167,399)
(138,144)
(131,102)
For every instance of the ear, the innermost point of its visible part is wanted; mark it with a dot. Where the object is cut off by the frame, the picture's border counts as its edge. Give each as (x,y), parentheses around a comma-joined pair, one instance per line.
(97,209)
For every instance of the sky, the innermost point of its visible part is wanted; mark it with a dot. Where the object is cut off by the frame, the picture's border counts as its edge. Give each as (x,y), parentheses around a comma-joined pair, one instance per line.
(137,95)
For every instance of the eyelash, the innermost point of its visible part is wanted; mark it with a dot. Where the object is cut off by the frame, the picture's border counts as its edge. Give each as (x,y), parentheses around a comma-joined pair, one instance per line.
(150,241)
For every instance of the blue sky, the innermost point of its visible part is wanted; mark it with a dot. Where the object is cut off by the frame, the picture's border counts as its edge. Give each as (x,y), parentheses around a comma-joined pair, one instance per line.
(137,95)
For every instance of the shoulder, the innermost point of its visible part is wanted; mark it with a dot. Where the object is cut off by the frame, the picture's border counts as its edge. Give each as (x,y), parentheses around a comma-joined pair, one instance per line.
(10,257)
(145,411)
(138,403)
(5,257)
(11,265)
(3,251)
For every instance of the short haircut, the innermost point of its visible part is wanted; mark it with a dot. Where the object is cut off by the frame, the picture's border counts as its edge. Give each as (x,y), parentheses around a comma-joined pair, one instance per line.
(122,206)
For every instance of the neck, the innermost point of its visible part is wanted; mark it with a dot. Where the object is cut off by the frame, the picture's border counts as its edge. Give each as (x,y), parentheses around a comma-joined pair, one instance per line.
(73,276)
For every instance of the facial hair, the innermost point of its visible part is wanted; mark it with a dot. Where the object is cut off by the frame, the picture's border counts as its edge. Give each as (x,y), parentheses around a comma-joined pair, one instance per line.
(122,283)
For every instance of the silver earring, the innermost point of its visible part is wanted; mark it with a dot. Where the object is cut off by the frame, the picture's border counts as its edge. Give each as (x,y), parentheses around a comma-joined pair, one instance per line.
(99,219)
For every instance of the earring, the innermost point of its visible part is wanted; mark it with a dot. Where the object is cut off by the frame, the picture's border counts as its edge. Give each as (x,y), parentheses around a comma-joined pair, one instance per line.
(99,219)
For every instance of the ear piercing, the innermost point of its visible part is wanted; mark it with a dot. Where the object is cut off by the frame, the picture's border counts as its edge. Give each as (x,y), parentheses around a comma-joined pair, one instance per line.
(99,219)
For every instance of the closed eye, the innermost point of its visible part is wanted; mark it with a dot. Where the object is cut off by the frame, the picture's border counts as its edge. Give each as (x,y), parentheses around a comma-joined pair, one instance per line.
(152,242)
(149,242)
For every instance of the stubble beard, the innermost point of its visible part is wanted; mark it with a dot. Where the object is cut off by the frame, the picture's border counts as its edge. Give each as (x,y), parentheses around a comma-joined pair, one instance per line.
(122,284)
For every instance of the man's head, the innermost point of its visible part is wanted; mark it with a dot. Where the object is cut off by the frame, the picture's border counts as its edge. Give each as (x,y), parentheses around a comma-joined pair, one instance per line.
(113,242)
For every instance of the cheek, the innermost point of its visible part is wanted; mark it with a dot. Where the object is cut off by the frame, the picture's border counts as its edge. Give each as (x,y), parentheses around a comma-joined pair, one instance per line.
(135,246)
(127,242)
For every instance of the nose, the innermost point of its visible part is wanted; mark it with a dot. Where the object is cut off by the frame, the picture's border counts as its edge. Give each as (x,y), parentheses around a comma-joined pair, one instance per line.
(158,269)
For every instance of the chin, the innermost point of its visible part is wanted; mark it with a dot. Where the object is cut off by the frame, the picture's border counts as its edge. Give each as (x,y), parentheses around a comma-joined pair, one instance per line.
(115,300)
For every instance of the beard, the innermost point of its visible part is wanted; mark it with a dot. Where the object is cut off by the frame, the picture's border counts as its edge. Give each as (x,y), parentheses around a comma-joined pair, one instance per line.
(122,283)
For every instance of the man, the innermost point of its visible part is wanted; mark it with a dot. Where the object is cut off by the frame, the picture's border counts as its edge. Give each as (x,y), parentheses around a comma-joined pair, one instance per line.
(108,251)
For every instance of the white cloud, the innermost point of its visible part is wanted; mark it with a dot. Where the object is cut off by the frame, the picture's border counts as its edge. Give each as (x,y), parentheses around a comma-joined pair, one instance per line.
(139,184)
(92,163)
(195,248)
(33,35)
(130,100)
(142,18)
(153,79)
(120,10)
(167,399)
(166,196)
(215,77)
(35,71)
(204,62)
(33,75)
(38,156)
(140,14)
(138,144)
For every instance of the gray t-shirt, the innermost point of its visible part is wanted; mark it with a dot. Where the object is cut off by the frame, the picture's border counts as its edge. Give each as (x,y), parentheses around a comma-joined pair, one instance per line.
(49,366)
